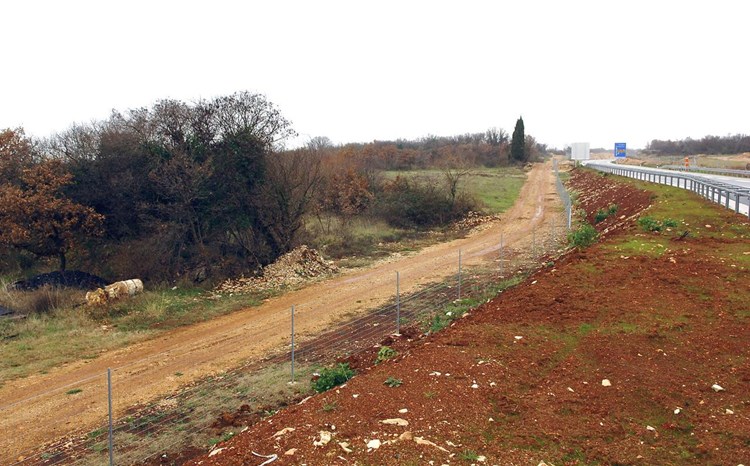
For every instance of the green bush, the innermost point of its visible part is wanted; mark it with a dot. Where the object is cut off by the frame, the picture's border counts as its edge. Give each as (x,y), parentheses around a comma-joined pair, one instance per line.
(385,353)
(652,225)
(410,203)
(601,214)
(333,376)
(583,237)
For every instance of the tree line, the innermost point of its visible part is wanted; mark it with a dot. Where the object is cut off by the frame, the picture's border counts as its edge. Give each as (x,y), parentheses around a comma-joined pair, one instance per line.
(179,188)
(731,144)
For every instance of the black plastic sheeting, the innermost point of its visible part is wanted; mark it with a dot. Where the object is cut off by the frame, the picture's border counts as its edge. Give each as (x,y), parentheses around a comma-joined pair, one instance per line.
(68,279)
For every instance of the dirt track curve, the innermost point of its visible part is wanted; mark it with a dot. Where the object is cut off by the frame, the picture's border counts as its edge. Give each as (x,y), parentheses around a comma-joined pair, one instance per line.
(37,410)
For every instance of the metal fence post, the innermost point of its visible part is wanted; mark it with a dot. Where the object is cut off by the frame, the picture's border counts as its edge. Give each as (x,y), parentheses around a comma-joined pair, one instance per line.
(398,304)
(109,402)
(501,254)
(459,274)
(292,343)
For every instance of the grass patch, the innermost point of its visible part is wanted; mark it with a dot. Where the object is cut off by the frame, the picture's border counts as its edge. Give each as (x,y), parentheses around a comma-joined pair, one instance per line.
(45,340)
(496,188)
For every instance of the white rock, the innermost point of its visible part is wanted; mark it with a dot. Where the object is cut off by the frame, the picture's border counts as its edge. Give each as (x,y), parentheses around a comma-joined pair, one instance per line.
(403,411)
(422,441)
(481,458)
(345,446)
(606,383)
(395,422)
(474,385)
(284,431)
(325,437)
(355,395)
(492,384)
(518,337)
(571,390)
(373,444)
(216,452)
(436,373)
(290,452)
(677,411)
(650,428)
(717,388)
(729,411)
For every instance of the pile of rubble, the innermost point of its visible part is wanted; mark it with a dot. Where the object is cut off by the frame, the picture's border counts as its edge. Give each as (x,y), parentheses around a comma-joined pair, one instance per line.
(473,220)
(295,267)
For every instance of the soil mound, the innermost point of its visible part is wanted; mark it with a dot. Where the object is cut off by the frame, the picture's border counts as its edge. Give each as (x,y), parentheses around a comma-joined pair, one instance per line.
(68,279)
(295,267)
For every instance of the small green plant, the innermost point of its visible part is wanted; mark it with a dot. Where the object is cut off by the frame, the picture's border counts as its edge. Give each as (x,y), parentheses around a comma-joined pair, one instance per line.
(430,395)
(331,377)
(600,216)
(385,353)
(583,237)
(330,407)
(653,225)
(393,382)
(226,436)
(73,391)
(469,455)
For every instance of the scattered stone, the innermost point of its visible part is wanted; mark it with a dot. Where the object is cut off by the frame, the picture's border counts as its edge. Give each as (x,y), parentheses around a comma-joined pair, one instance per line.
(215,452)
(650,429)
(373,444)
(325,437)
(518,337)
(606,383)
(295,267)
(406,436)
(283,431)
(395,422)
(729,411)
(677,411)
(481,458)
(474,385)
(422,441)
(435,373)
(345,446)
(403,411)
(290,452)
(717,388)
(571,390)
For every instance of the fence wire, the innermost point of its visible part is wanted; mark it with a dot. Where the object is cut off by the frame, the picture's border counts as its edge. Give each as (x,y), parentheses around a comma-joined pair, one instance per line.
(224,403)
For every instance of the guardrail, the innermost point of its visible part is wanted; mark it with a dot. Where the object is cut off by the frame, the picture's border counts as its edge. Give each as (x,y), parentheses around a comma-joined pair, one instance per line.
(712,171)
(730,196)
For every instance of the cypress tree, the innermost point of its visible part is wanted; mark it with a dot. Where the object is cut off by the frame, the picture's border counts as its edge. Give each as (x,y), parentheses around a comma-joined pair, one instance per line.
(517,143)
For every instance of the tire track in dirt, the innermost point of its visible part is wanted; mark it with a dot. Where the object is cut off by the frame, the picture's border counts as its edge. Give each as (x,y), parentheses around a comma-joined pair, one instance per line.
(38,410)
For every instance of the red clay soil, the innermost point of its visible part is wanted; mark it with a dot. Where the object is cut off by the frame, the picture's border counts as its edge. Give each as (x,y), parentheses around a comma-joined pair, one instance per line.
(520,379)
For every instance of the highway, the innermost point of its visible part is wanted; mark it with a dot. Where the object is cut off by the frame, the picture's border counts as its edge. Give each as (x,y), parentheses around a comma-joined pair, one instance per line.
(731,192)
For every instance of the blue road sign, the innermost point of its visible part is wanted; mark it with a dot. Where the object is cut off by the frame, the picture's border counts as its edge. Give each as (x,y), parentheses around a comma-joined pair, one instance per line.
(620,149)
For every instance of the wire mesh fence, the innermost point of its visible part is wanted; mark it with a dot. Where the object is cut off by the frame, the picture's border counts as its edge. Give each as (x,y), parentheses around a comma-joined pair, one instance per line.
(217,407)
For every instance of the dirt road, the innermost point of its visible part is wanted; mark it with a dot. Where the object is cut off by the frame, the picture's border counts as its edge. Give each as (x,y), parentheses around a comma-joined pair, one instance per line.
(71,398)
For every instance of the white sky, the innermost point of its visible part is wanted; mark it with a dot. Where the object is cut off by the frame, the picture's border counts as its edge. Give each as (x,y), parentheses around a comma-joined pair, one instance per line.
(355,71)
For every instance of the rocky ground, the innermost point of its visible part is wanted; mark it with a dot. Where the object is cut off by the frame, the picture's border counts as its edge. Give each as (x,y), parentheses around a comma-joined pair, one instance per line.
(293,268)
(633,351)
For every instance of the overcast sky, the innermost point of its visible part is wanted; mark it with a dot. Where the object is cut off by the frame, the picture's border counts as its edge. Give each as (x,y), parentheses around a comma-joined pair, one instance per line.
(357,71)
